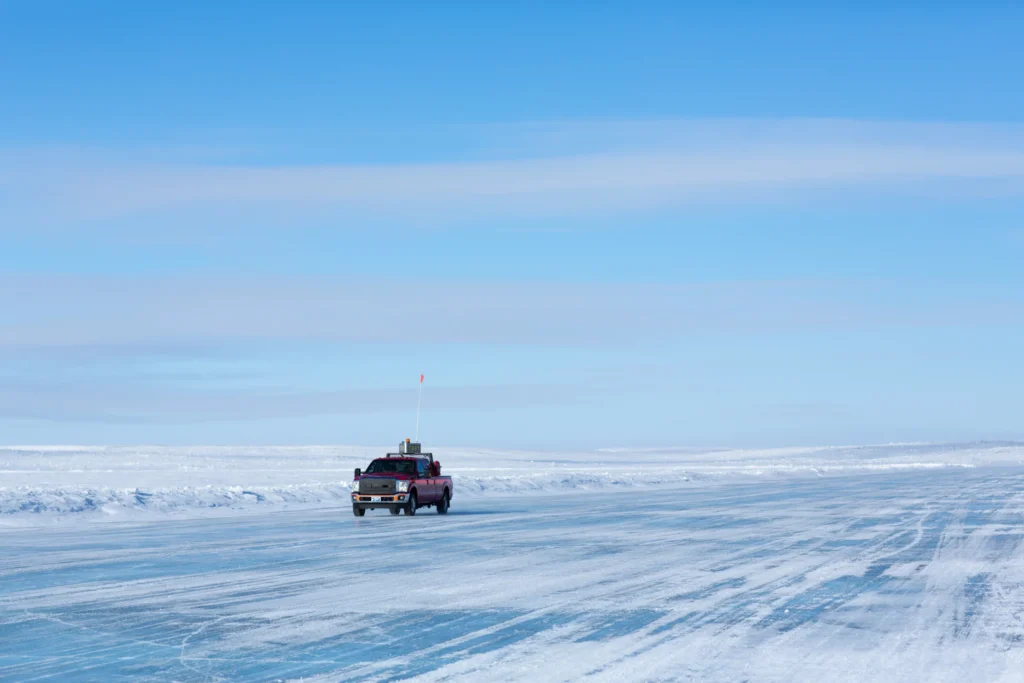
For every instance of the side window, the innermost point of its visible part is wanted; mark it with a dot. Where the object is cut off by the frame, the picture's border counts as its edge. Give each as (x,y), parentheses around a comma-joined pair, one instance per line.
(421,468)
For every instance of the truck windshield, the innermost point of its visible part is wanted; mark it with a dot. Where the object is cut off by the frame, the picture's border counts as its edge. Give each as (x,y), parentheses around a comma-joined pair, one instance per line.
(391,467)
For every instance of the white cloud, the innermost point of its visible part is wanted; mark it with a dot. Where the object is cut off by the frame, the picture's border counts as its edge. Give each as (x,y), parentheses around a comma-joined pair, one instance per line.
(543,169)
(71,311)
(114,402)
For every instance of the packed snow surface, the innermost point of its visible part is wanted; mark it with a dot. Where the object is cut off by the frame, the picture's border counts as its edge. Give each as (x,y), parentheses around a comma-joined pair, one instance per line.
(881,564)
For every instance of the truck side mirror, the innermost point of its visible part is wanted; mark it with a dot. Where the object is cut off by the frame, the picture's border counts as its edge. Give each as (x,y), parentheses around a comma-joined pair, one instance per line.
(358,472)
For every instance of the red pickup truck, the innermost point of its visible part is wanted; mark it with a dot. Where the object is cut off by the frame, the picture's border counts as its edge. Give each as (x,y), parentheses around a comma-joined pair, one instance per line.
(402,481)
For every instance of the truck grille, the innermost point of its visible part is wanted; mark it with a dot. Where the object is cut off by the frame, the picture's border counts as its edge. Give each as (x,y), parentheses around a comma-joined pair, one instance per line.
(376,486)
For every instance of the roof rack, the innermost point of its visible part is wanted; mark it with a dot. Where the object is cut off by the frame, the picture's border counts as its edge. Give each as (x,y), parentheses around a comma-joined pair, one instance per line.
(408,449)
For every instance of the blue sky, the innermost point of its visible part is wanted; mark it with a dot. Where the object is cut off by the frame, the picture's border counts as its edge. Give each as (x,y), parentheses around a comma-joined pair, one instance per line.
(589,225)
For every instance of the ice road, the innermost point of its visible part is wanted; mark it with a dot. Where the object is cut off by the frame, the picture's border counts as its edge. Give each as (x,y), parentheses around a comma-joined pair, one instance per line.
(906,575)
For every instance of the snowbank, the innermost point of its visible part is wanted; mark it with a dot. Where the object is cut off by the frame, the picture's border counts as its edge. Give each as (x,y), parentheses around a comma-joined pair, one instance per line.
(55,481)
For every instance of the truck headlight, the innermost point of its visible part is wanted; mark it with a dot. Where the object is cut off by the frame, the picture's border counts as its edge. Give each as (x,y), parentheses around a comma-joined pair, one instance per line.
(355,486)
(403,486)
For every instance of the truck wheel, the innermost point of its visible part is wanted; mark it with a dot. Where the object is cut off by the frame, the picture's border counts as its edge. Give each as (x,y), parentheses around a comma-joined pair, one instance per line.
(358,511)
(395,510)
(410,508)
(442,507)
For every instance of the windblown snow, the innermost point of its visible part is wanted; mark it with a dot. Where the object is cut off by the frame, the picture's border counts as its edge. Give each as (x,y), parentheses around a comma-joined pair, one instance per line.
(885,563)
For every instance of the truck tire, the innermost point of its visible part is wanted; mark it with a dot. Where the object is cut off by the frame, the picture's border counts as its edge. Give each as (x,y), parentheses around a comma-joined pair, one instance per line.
(395,510)
(358,511)
(442,506)
(410,508)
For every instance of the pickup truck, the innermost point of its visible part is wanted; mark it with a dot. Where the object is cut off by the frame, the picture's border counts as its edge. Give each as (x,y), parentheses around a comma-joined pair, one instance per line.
(402,482)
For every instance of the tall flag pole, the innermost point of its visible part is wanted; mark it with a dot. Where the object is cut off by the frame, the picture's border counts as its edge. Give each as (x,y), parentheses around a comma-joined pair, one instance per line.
(419,397)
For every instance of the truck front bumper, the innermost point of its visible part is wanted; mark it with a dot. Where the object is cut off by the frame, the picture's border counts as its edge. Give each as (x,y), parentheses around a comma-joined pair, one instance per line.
(385,501)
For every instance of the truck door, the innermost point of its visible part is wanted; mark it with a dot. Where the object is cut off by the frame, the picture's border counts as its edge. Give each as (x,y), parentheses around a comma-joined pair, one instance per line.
(425,485)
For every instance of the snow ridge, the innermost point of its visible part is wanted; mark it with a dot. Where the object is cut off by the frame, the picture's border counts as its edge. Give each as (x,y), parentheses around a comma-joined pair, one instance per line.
(100,482)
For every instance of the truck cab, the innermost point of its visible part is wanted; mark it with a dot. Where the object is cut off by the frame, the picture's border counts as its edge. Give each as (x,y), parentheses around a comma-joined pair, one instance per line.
(402,482)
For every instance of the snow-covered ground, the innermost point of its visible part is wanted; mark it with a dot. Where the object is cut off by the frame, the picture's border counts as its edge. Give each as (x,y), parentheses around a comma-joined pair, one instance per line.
(870,564)
(46,482)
